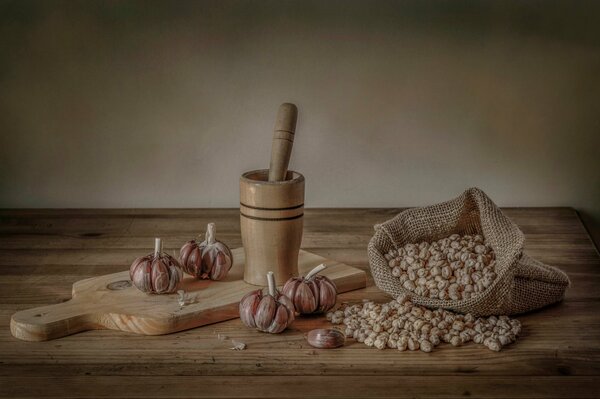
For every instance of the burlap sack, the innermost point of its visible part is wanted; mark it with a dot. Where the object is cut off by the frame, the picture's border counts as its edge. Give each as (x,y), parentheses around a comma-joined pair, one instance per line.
(522,283)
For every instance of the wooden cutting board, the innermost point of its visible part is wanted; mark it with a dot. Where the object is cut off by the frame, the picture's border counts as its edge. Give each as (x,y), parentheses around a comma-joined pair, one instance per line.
(111,302)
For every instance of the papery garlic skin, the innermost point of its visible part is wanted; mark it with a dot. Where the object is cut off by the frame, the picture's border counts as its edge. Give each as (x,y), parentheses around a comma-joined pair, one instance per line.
(311,294)
(210,259)
(271,312)
(157,273)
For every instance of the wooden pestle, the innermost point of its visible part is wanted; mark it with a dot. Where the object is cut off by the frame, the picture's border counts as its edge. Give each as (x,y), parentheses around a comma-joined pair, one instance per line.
(283,140)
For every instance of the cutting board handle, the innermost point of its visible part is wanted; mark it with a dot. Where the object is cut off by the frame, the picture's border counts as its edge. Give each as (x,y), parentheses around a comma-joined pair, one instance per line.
(53,321)
(283,141)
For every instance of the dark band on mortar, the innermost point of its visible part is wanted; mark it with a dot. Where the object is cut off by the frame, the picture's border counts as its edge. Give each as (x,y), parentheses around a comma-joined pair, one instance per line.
(272,209)
(272,220)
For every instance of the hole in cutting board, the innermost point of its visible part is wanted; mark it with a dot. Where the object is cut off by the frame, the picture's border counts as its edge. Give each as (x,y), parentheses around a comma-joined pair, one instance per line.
(119,285)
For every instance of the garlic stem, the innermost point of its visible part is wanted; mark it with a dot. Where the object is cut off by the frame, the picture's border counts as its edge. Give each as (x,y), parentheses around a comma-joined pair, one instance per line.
(271,283)
(157,246)
(210,234)
(315,271)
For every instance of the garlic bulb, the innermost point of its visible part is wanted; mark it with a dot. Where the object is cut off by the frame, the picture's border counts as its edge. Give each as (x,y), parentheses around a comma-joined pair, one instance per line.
(311,294)
(210,259)
(157,273)
(270,313)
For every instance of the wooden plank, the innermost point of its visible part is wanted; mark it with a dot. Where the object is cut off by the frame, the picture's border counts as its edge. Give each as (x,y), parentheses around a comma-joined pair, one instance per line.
(571,347)
(298,362)
(52,283)
(123,257)
(550,212)
(117,256)
(538,244)
(542,220)
(56,290)
(300,387)
(103,213)
(147,359)
(123,241)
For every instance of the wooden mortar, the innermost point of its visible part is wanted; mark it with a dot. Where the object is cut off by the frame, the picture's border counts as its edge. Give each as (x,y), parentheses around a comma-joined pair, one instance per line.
(271,220)
(272,209)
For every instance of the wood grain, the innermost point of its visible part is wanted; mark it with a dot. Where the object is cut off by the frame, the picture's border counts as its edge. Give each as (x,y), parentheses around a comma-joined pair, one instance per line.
(43,252)
(302,387)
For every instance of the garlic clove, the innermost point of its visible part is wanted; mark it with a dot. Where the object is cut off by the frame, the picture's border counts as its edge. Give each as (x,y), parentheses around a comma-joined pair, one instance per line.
(304,299)
(190,258)
(186,250)
(195,261)
(140,274)
(207,259)
(146,282)
(289,305)
(136,264)
(326,338)
(327,295)
(221,266)
(265,312)
(314,287)
(280,321)
(248,306)
(160,276)
(289,288)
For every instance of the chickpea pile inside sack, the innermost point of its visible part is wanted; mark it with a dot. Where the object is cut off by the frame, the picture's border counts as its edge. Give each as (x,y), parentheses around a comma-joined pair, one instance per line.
(456,267)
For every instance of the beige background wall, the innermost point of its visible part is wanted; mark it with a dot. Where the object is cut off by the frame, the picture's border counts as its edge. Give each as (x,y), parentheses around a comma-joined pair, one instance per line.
(164,104)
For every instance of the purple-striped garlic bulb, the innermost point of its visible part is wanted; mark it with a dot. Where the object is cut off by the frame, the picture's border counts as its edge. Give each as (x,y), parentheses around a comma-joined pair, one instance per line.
(311,294)
(210,259)
(270,313)
(157,273)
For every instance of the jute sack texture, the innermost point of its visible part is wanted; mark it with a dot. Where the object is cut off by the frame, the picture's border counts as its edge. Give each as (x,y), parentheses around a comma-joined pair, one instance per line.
(522,283)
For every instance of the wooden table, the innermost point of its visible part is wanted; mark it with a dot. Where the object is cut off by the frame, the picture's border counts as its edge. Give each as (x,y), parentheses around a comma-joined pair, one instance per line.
(42,252)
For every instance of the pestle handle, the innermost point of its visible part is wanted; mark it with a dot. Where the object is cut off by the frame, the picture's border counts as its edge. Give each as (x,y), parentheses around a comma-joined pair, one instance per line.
(283,140)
